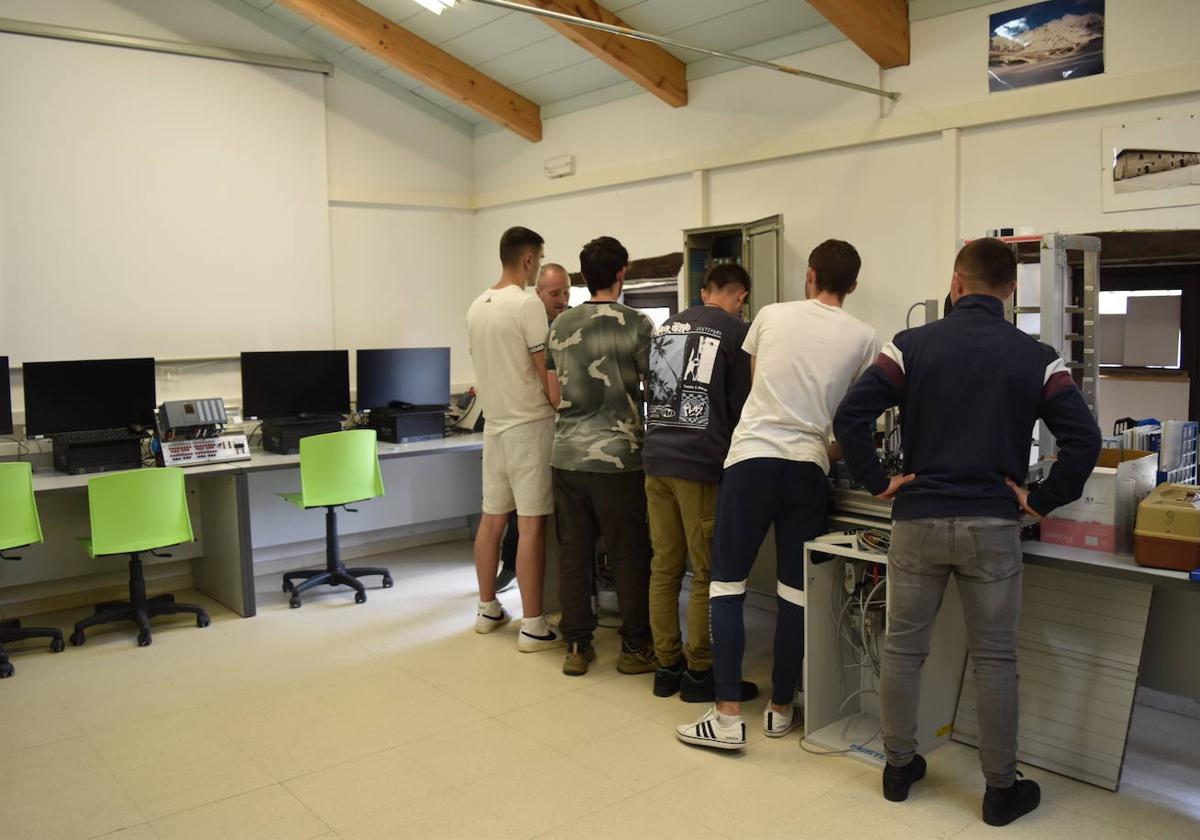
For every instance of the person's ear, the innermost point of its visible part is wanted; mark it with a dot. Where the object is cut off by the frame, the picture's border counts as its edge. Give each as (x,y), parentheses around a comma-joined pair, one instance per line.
(853,286)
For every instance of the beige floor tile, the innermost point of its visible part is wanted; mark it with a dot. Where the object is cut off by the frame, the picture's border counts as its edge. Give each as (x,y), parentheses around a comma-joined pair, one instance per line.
(1051,823)
(536,796)
(26,722)
(137,832)
(643,755)
(62,789)
(1181,827)
(639,816)
(451,815)
(268,814)
(563,722)
(1135,809)
(358,789)
(752,800)
(185,734)
(634,693)
(183,781)
(480,749)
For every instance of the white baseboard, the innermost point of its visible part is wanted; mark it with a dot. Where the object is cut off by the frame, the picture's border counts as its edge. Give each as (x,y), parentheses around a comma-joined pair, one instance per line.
(70,593)
(311,553)
(1176,704)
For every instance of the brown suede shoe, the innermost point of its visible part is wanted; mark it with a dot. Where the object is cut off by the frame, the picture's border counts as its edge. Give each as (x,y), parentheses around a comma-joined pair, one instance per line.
(642,661)
(579,655)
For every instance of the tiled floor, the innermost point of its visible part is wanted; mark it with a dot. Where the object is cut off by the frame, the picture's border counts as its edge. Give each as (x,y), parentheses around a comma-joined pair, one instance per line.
(393,719)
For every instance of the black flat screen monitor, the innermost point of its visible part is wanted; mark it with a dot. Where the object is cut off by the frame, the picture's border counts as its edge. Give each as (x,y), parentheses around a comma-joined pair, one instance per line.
(292,383)
(5,398)
(419,376)
(84,395)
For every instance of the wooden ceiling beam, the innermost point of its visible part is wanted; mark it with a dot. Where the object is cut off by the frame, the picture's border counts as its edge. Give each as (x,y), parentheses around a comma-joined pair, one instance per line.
(365,28)
(651,66)
(878,27)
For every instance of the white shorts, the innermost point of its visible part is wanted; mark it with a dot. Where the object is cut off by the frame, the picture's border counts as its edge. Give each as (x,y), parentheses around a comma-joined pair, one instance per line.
(516,470)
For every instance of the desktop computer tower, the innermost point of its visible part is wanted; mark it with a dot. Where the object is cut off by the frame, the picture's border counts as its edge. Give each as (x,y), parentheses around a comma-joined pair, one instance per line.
(283,436)
(408,425)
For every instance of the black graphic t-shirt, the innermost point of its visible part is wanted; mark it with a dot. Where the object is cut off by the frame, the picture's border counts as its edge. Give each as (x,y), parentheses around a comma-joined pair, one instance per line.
(699,379)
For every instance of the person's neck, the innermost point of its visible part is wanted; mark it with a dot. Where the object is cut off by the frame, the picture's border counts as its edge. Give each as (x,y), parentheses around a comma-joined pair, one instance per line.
(828,298)
(606,296)
(509,279)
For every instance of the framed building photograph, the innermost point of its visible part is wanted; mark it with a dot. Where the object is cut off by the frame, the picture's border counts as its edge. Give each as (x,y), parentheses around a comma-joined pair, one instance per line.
(1151,164)
(1045,42)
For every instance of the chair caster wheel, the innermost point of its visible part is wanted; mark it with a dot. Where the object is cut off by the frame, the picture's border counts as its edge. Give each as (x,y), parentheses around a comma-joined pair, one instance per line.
(203,621)
(387,582)
(58,645)
(294,601)
(7,670)
(77,638)
(144,638)
(360,597)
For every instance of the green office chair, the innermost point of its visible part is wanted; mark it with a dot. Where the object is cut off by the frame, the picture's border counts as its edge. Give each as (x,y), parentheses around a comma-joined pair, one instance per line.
(134,512)
(19,527)
(335,470)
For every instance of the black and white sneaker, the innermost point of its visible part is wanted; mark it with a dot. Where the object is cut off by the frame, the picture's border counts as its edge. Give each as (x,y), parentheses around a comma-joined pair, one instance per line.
(776,725)
(487,621)
(708,731)
(529,640)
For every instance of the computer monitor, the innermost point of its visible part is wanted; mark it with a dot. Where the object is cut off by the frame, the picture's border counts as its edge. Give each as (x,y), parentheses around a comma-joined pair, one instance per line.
(419,376)
(92,394)
(291,383)
(6,427)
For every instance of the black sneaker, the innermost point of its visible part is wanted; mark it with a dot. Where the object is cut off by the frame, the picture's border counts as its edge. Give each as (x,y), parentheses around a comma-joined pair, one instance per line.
(698,687)
(1003,805)
(897,780)
(667,680)
(506,579)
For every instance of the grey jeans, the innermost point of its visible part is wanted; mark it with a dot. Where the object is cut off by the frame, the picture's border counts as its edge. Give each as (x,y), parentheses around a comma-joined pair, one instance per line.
(984,554)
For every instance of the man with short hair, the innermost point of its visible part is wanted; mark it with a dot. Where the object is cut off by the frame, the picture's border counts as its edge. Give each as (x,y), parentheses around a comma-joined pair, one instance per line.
(553,289)
(803,357)
(699,380)
(970,388)
(506,328)
(598,359)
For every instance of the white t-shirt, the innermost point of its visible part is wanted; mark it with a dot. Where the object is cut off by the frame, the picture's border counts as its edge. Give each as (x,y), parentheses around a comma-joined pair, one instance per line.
(807,354)
(504,327)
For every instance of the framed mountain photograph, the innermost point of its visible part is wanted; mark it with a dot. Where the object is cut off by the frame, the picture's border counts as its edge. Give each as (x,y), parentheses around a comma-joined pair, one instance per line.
(1045,42)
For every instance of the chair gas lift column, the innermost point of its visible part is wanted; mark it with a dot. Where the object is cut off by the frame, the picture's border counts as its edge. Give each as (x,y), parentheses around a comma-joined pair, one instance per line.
(336,470)
(19,527)
(133,513)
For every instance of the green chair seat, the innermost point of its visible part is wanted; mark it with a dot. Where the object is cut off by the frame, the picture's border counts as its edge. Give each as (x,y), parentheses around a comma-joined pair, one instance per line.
(19,523)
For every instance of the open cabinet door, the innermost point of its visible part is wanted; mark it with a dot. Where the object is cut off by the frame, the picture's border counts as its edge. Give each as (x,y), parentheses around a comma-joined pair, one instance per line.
(764,261)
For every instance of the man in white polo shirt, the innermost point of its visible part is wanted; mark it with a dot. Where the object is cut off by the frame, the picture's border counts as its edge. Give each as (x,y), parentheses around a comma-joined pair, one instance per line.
(506,327)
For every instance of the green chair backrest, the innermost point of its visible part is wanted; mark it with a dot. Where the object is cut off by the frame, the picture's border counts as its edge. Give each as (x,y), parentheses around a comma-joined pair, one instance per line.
(138,510)
(19,524)
(339,468)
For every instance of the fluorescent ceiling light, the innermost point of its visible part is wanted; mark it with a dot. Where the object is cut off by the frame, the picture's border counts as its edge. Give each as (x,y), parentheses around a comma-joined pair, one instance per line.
(437,6)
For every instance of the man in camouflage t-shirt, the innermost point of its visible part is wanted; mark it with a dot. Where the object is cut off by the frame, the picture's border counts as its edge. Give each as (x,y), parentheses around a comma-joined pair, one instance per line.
(598,357)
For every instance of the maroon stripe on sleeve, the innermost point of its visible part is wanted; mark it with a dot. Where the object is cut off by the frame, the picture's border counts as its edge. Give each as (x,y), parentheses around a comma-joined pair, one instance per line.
(890,369)
(1056,384)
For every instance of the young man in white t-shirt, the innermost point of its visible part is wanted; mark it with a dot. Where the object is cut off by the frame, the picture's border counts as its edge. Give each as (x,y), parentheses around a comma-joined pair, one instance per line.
(506,327)
(804,355)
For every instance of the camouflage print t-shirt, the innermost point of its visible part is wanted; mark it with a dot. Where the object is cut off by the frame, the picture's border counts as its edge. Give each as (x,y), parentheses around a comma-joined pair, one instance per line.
(600,353)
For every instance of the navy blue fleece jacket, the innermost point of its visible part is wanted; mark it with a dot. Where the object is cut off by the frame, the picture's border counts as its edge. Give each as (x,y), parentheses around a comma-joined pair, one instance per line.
(970,388)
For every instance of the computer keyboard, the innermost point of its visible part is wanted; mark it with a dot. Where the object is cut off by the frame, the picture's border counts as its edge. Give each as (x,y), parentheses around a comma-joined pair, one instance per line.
(96,436)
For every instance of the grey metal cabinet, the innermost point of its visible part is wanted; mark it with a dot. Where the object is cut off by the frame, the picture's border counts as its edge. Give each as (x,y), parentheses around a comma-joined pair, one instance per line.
(756,246)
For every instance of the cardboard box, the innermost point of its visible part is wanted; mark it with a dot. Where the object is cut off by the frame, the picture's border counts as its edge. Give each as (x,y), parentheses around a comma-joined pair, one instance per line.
(1102,518)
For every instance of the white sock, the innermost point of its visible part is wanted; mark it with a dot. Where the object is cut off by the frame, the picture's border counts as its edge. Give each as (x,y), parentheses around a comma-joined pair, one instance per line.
(491,608)
(535,626)
(728,720)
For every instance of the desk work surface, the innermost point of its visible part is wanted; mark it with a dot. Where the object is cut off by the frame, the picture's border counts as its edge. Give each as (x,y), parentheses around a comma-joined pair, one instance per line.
(47,480)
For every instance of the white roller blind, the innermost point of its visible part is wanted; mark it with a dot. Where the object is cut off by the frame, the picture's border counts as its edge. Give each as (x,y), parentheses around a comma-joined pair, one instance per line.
(159,205)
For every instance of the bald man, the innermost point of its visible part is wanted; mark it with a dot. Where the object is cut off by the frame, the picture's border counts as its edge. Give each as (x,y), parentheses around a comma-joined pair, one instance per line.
(553,290)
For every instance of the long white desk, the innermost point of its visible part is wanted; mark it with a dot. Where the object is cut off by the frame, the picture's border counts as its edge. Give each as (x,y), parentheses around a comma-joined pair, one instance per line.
(223,567)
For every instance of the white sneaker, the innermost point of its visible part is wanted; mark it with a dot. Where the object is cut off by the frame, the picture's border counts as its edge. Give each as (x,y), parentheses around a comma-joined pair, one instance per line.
(530,641)
(485,623)
(776,725)
(707,731)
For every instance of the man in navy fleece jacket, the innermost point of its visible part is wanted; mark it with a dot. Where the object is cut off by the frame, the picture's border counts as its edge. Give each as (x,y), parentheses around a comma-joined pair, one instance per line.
(970,388)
